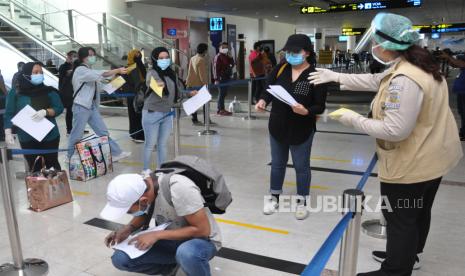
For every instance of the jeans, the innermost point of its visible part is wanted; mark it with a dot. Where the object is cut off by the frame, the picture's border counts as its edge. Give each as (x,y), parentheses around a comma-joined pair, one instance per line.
(156,131)
(192,256)
(222,93)
(408,224)
(300,159)
(83,116)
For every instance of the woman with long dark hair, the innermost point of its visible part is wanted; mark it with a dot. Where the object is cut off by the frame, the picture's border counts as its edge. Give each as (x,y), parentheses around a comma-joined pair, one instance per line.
(31,90)
(416,135)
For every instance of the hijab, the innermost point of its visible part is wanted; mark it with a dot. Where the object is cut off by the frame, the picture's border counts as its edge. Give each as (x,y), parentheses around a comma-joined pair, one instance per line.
(138,61)
(24,85)
(168,72)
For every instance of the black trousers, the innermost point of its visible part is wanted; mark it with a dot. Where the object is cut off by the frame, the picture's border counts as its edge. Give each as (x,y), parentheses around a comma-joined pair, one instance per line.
(51,159)
(69,118)
(258,86)
(461,110)
(135,121)
(195,118)
(408,224)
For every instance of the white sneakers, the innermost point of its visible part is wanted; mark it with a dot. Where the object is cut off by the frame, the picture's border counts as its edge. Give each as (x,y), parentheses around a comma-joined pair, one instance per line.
(146,173)
(271,206)
(123,155)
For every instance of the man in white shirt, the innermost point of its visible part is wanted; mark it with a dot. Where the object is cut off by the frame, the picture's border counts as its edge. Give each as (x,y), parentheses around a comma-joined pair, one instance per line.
(191,239)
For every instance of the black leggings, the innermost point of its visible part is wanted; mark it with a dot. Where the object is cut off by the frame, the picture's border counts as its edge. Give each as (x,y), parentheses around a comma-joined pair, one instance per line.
(51,159)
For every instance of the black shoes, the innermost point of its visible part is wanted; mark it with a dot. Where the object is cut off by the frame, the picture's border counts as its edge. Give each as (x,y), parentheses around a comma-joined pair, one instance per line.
(380,256)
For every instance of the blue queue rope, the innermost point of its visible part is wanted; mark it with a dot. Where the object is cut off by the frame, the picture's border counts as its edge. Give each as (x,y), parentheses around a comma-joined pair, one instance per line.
(319,261)
(48,151)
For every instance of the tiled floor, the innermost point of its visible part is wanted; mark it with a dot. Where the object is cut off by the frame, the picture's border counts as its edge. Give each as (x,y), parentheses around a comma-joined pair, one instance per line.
(241,152)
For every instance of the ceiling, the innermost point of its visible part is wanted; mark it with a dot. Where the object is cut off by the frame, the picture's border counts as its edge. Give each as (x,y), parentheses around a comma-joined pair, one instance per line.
(287,11)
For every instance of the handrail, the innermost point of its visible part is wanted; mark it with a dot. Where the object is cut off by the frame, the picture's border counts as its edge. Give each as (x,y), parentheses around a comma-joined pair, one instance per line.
(49,47)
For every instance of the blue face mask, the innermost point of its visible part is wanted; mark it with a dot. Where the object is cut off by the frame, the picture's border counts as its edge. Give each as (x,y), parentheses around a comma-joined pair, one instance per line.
(294,59)
(141,213)
(164,63)
(92,60)
(37,79)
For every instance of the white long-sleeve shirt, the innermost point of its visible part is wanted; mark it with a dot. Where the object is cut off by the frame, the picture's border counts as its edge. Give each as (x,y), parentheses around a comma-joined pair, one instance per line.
(402,105)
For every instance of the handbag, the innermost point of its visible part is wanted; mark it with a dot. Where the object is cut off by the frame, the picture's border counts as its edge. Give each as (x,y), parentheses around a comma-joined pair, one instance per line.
(140,97)
(91,158)
(47,188)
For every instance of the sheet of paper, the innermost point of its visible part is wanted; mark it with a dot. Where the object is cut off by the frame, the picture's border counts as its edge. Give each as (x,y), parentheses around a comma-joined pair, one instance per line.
(338,113)
(156,88)
(37,129)
(283,94)
(196,102)
(131,67)
(130,249)
(113,85)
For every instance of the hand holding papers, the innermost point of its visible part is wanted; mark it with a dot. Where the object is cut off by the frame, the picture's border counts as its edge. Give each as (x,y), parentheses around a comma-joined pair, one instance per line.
(281,94)
(156,87)
(335,115)
(131,67)
(37,129)
(130,249)
(113,85)
(202,97)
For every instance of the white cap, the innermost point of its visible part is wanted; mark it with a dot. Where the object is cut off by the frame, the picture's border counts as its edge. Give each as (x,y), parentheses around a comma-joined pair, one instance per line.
(122,192)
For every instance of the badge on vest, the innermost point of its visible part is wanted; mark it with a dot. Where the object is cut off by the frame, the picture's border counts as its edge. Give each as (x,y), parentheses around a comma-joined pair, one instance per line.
(393,99)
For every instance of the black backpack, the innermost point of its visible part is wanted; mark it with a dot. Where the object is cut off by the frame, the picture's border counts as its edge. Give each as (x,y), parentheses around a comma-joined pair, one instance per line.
(140,96)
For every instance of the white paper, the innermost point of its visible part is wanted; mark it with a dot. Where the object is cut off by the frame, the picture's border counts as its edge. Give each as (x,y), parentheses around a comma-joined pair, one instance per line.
(130,249)
(114,85)
(37,129)
(203,96)
(279,92)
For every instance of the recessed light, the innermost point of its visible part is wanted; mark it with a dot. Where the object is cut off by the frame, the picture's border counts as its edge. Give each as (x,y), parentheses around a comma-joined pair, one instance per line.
(276,16)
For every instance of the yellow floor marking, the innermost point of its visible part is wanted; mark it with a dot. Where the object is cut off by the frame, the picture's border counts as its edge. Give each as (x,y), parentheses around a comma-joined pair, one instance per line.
(253,226)
(135,164)
(323,158)
(80,193)
(193,146)
(318,187)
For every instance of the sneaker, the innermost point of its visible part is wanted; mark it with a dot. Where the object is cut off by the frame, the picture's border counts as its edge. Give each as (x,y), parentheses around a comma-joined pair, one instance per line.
(224,113)
(197,123)
(301,212)
(122,155)
(146,173)
(380,256)
(137,141)
(270,207)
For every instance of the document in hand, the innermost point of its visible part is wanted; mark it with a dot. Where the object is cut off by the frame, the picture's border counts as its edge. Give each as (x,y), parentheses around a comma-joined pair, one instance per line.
(196,102)
(130,249)
(37,129)
(338,113)
(156,88)
(281,94)
(113,85)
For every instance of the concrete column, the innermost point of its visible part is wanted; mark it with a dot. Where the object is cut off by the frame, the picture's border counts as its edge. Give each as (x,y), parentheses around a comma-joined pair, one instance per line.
(351,43)
(319,43)
(261,29)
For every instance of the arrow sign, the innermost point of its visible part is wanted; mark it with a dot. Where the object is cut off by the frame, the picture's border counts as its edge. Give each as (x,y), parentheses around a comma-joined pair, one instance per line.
(360,6)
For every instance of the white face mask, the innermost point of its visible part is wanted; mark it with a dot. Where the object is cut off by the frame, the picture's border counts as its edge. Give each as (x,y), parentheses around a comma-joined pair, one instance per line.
(387,63)
(224,50)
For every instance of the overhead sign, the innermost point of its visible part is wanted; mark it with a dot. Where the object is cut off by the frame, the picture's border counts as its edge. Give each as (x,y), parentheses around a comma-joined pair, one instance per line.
(325,57)
(353,31)
(362,6)
(216,23)
(171,32)
(440,28)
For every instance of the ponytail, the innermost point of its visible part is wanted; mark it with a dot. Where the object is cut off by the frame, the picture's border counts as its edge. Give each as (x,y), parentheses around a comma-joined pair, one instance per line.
(423,59)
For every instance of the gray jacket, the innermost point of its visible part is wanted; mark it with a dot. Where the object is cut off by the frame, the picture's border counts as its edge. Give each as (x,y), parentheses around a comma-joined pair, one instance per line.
(92,86)
(153,102)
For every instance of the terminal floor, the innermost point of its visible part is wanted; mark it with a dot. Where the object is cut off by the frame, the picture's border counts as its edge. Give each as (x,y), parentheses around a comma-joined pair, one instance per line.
(241,152)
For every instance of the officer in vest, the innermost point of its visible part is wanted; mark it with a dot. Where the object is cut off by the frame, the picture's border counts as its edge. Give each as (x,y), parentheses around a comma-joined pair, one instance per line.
(417,140)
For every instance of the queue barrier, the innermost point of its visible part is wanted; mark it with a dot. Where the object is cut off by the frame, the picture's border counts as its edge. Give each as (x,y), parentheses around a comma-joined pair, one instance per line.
(347,230)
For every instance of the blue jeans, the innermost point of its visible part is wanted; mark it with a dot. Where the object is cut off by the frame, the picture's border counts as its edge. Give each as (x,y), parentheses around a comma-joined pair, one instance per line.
(222,93)
(300,159)
(156,132)
(83,116)
(192,255)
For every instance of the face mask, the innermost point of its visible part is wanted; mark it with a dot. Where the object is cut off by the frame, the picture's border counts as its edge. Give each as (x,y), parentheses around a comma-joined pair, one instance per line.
(92,60)
(387,63)
(37,79)
(295,59)
(141,212)
(224,50)
(164,63)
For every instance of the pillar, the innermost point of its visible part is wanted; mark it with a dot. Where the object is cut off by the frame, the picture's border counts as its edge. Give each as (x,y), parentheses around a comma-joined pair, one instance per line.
(351,43)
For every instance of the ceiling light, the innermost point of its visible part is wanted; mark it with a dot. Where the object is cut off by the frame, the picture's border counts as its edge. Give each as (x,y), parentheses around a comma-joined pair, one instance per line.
(276,16)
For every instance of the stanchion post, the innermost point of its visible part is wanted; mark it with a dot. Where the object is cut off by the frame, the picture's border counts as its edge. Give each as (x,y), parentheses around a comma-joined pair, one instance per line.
(20,266)
(249,102)
(352,202)
(177,130)
(207,131)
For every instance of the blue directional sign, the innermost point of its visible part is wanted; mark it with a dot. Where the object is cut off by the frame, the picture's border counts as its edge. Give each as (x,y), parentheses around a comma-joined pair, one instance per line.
(362,6)
(171,32)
